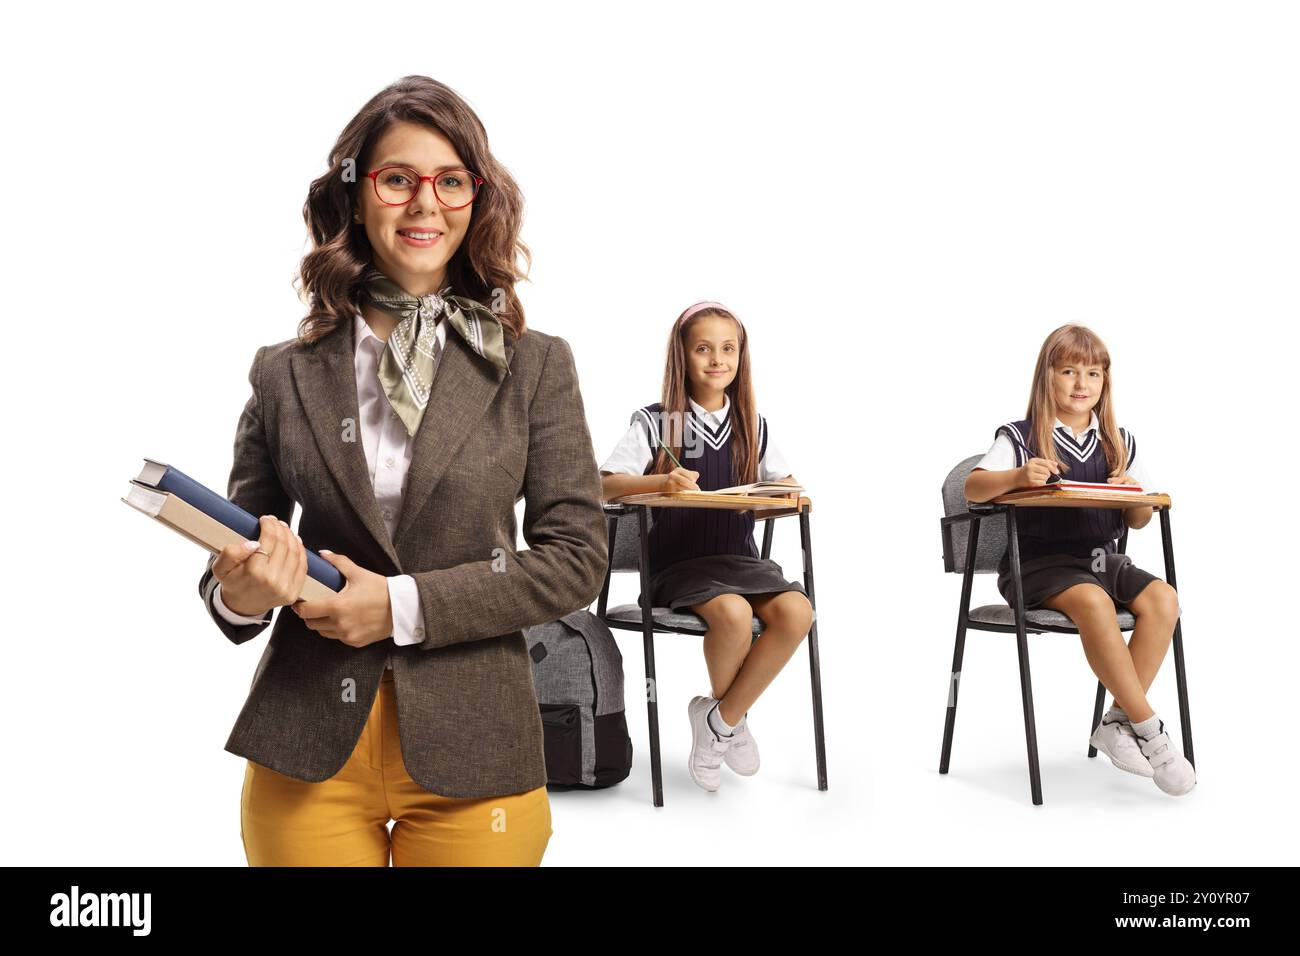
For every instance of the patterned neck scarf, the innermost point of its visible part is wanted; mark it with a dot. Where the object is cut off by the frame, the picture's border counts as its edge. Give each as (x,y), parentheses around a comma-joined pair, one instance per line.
(412,352)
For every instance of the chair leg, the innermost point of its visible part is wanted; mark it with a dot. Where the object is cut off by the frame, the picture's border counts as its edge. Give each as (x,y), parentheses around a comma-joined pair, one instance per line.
(1180,664)
(814,659)
(1096,715)
(1022,653)
(1031,734)
(652,717)
(959,647)
(648,651)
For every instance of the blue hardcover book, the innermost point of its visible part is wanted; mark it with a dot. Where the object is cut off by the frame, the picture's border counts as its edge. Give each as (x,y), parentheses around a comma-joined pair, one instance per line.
(167,478)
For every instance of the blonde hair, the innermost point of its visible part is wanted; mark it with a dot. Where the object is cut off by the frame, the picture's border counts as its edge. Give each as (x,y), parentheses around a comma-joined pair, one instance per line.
(1080,346)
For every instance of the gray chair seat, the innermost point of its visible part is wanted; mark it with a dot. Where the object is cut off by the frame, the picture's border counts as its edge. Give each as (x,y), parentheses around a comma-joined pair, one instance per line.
(1043,616)
(630,614)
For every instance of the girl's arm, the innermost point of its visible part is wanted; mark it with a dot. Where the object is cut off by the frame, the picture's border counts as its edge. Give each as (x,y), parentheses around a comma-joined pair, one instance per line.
(1138,517)
(623,474)
(1135,473)
(1134,517)
(616,486)
(982,485)
(991,477)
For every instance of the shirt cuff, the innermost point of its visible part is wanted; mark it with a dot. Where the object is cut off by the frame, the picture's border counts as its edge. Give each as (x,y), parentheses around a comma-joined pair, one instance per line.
(230,615)
(408,617)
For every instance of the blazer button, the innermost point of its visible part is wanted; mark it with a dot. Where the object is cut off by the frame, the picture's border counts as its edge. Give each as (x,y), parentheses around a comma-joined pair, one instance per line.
(419,631)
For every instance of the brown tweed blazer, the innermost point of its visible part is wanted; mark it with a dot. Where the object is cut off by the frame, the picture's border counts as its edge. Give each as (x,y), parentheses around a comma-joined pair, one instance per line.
(468,717)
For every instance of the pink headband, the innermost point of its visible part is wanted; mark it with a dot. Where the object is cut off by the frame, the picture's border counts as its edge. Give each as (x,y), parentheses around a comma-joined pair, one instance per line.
(700,307)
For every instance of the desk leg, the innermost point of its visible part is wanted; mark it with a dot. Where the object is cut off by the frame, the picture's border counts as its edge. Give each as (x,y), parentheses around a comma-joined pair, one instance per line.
(648,652)
(1022,653)
(814,659)
(1180,665)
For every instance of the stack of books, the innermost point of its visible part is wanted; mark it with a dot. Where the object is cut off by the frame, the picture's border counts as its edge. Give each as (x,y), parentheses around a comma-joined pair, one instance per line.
(177,501)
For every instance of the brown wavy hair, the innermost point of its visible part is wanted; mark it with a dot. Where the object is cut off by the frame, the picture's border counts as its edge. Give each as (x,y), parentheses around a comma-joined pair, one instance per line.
(1080,346)
(744,419)
(485,267)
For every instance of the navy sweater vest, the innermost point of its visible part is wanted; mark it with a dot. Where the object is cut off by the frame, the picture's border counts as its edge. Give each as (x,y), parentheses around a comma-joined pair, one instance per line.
(1074,531)
(681,533)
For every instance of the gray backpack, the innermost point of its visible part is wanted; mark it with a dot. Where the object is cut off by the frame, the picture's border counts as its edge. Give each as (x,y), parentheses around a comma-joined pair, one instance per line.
(578,677)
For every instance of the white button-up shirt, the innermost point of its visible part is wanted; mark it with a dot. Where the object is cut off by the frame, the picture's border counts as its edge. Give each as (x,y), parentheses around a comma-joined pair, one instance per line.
(633,452)
(388,455)
(1002,456)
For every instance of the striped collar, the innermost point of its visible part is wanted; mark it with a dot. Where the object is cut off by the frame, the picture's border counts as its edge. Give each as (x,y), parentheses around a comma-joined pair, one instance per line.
(1080,447)
(716,428)
(1093,425)
(713,419)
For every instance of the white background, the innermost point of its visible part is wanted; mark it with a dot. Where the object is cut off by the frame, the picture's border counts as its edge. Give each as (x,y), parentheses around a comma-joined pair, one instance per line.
(984,173)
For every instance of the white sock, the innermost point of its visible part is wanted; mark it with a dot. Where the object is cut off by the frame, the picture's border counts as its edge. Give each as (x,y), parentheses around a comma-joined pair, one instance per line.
(1150,727)
(720,726)
(1116,712)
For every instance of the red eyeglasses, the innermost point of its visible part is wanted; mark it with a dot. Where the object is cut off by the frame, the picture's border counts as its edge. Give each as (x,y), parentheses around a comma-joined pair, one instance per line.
(398,185)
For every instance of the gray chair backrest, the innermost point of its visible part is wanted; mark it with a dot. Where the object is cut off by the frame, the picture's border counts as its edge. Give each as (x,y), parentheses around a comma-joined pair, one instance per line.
(993,529)
(626,555)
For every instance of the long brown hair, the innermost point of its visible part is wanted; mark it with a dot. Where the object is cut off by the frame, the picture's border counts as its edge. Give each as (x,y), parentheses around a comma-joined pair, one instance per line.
(743,417)
(484,268)
(1078,346)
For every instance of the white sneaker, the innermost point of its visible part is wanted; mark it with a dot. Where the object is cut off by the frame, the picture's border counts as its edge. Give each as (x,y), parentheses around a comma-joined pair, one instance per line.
(742,755)
(1119,741)
(707,748)
(1173,772)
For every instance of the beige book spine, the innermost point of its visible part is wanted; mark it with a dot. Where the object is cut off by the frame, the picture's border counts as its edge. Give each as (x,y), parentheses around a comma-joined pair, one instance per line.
(209,533)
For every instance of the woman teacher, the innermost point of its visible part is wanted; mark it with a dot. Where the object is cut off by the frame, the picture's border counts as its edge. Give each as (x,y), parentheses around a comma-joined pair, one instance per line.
(407,418)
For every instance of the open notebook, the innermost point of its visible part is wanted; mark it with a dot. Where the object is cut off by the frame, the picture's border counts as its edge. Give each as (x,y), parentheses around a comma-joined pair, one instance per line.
(1066,485)
(758,488)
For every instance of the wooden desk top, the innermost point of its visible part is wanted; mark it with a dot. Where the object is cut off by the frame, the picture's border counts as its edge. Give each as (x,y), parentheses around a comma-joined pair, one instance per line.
(766,507)
(1039,498)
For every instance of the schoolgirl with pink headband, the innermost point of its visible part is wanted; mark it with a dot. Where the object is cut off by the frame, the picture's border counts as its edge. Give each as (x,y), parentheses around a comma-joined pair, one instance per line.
(705,433)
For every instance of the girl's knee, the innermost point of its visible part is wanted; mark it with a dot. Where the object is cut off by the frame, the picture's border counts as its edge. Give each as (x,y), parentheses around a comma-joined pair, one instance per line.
(791,612)
(1089,599)
(1160,599)
(728,612)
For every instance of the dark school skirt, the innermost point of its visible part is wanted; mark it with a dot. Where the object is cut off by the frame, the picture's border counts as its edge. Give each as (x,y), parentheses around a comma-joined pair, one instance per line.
(696,580)
(1042,577)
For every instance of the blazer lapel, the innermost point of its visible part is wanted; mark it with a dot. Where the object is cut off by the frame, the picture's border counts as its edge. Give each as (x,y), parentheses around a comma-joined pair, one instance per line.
(464,384)
(327,385)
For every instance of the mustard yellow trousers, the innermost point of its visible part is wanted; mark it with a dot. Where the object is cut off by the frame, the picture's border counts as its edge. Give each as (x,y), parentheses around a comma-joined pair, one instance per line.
(343,821)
